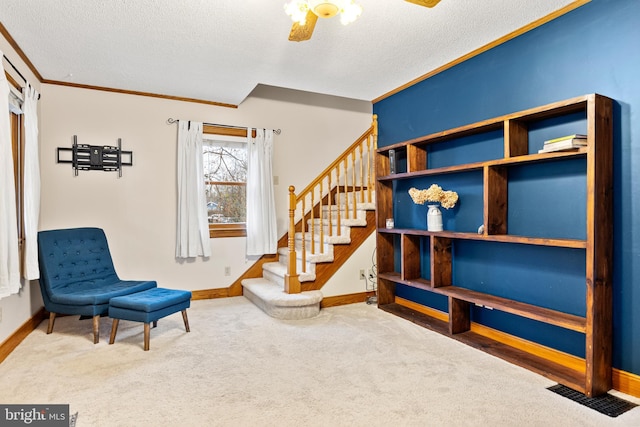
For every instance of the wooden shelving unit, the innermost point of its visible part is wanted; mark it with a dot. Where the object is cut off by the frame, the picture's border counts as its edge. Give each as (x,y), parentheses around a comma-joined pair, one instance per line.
(595,324)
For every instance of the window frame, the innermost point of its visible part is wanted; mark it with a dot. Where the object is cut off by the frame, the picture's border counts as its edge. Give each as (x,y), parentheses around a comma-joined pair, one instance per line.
(220,230)
(16,122)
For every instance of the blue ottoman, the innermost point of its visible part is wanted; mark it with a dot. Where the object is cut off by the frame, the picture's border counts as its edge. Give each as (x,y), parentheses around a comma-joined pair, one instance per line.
(148,306)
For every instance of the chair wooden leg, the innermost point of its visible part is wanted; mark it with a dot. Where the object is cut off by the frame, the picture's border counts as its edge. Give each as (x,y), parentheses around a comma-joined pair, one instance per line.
(146,337)
(96,328)
(114,331)
(52,320)
(155,323)
(186,320)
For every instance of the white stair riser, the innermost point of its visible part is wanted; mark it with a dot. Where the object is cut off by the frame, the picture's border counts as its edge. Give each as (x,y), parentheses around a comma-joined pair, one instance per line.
(283,259)
(276,303)
(344,230)
(278,280)
(344,215)
(325,248)
(277,276)
(316,246)
(310,266)
(328,253)
(357,197)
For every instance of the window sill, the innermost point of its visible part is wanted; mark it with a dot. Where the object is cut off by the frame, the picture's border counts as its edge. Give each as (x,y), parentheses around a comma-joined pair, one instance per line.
(227,230)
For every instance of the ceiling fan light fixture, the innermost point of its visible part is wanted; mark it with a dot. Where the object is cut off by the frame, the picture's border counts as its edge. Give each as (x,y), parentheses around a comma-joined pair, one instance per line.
(297,9)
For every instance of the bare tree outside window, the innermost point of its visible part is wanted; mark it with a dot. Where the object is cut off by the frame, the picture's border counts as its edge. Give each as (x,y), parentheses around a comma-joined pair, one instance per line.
(225,169)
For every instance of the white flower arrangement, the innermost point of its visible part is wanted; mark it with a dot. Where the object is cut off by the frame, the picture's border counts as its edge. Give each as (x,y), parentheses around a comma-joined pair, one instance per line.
(435,193)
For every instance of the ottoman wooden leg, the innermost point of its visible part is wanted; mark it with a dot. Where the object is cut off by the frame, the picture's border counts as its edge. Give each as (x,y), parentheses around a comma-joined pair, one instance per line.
(146,337)
(186,320)
(114,330)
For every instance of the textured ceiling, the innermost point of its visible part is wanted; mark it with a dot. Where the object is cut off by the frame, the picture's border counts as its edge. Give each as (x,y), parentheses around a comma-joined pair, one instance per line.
(219,50)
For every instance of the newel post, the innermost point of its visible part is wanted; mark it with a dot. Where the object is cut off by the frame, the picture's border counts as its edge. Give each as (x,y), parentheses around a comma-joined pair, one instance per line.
(291,282)
(375,131)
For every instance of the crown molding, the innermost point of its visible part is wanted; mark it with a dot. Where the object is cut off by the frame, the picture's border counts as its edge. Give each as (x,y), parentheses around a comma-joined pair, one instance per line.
(137,93)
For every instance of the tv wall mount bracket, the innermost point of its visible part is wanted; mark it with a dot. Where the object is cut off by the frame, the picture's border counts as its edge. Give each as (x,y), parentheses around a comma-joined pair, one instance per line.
(95,157)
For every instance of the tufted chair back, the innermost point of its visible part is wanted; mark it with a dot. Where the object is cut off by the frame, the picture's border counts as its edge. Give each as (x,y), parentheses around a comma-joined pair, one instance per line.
(73,255)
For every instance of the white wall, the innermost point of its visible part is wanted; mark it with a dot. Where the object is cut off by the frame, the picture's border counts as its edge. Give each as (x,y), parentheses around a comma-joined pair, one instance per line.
(138,211)
(347,279)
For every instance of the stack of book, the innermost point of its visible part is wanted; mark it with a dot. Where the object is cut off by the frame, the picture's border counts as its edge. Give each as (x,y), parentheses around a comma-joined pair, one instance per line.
(564,143)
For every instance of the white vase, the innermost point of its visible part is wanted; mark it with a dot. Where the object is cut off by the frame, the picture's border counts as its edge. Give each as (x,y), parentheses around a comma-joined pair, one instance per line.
(434,218)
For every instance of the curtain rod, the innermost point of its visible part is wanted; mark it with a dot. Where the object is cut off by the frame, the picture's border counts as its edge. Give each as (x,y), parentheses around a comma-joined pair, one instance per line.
(14,67)
(171,121)
(16,70)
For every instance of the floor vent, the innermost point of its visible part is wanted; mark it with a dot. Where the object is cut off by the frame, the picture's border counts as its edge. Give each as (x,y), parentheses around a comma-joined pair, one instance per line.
(605,404)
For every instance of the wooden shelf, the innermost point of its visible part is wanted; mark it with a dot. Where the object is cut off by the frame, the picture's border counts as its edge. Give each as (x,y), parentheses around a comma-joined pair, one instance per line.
(595,378)
(545,315)
(504,238)
(417,283)
(538,157)
(529,311)
(554,371)
(437,171)
(512,161)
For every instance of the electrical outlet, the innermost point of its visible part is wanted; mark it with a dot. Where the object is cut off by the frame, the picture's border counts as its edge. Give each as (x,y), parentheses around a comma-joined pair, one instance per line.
(227,271)
(362,275)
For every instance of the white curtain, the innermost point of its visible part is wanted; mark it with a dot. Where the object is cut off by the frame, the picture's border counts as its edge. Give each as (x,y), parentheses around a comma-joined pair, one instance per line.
(31,183)
(9,258)
(192,237)
(261,208)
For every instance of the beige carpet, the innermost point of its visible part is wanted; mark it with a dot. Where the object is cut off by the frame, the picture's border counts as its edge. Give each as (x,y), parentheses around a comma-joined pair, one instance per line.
(350,366)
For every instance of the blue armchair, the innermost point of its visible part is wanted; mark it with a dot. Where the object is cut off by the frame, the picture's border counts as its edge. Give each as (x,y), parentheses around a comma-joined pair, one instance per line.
(77,275)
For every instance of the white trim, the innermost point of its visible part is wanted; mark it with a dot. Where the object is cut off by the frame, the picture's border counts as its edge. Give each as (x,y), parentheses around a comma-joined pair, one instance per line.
(224,141)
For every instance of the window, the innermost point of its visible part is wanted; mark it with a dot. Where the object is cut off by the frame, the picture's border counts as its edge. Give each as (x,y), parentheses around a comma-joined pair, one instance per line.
(225,170)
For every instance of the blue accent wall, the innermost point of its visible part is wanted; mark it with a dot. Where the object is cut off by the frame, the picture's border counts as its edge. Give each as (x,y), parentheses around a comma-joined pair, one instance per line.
(593,49)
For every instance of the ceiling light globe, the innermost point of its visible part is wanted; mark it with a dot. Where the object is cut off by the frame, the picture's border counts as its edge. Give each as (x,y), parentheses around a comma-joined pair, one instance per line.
(350,12)
(324,8)
(297,10)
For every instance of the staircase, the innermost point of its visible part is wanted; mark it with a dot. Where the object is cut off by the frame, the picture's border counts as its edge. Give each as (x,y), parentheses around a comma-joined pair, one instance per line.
(321,219)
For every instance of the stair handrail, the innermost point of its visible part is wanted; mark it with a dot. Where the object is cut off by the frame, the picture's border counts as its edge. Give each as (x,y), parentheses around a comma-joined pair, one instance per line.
(370,137)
